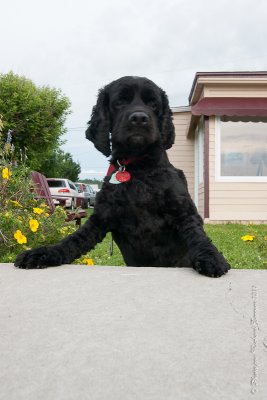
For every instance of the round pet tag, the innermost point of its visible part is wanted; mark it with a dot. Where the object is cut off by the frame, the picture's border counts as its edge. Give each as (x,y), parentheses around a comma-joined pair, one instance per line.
(123,176)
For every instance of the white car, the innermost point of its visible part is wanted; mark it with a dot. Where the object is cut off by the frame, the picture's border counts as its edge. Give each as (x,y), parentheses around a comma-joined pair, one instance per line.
(64,188)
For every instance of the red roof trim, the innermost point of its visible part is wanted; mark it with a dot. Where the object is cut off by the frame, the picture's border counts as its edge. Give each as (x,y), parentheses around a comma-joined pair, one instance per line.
(238,106)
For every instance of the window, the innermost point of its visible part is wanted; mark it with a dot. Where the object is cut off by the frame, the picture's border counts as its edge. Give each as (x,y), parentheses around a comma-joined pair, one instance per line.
(242,148)
(72,186)
(56,183)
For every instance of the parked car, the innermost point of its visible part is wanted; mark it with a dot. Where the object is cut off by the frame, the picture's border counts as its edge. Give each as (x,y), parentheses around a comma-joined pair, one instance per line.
(64,188)
(87,193)
(91,195)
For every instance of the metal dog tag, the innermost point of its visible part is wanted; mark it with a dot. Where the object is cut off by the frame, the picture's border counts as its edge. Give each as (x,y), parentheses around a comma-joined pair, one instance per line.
(120,176)
(113,179)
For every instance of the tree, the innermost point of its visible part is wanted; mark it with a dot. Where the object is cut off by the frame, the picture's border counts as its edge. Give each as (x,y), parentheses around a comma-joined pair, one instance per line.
(35,115)
(93,181)
(61,165)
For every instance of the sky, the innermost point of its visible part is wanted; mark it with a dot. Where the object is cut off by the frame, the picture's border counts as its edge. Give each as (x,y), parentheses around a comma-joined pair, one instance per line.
(79,46)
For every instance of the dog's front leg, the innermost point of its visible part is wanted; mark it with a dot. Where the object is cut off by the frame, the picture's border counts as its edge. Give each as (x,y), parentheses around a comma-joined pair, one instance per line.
(203,255)
(70,248)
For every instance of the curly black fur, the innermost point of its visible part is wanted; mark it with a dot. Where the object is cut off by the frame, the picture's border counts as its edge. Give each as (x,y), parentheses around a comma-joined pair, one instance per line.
(152,216)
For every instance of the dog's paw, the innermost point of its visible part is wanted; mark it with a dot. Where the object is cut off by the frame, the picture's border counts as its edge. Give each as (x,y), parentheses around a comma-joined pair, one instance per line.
(212,265)
(38,258)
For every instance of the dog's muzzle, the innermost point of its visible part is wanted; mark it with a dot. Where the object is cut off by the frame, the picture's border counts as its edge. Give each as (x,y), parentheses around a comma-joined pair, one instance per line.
(139,123)
(138,119)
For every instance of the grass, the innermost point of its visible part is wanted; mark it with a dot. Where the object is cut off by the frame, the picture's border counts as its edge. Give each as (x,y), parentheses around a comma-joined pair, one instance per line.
(240,254)
(101,254)
(226,237)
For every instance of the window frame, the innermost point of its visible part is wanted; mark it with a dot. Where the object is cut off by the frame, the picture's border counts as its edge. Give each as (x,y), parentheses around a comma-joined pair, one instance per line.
(198,159)
(218,176)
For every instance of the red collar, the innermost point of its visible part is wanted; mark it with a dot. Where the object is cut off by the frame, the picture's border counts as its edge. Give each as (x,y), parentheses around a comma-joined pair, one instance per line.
(124,161)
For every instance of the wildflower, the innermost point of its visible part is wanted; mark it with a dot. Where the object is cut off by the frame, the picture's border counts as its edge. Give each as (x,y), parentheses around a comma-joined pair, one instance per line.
(46,214)
(248,238)
(6,174)
(34,225)
(9,136)
(265,237)
(18,235)
(15,203)
(37,210)
(88,261)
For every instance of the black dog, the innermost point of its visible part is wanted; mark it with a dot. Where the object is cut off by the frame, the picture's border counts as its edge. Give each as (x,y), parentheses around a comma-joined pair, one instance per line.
(144,201)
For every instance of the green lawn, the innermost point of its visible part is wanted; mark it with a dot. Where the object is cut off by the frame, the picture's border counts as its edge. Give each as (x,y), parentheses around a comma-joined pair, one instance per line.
(226,237)
(240,254)
(101,254)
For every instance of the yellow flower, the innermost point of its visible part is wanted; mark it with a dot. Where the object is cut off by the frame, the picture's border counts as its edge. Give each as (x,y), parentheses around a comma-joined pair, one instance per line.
(265,237)
(6,174)
(7,214)
(88,261)
(16,203)
(248,238)
(34,225)
(38,210)
(18,235)
(46,214)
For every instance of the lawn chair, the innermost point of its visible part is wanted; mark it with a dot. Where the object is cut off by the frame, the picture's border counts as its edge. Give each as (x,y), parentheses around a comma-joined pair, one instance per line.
(42,191)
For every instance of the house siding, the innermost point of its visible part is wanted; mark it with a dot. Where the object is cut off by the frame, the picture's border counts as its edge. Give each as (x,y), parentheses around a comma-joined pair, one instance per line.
(238,201)
(181,155)
(234,90)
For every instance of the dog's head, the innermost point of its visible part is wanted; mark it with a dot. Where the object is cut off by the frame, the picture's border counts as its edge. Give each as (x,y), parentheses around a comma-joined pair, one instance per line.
(134,114)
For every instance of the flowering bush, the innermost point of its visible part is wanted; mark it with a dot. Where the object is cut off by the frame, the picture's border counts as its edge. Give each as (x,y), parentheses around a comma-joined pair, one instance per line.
(25,222)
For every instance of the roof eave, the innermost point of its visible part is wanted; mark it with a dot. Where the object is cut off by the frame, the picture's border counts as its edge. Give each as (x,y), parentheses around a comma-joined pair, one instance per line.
(222,77)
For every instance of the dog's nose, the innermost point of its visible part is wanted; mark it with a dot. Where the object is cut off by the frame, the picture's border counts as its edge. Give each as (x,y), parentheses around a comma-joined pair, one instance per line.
(138,118)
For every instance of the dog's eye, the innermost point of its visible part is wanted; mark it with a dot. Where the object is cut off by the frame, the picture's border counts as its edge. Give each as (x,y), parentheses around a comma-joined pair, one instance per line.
(123,98)
(152,104)
(120,102)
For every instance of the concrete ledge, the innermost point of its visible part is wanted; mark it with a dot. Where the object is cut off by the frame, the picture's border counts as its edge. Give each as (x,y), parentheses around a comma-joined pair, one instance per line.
(104,333)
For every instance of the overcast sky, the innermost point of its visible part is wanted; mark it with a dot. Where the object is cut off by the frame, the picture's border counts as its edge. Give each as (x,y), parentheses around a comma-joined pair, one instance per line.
(79,46)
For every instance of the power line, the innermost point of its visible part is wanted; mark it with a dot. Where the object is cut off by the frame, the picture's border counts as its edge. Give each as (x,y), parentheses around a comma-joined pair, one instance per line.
(77,128)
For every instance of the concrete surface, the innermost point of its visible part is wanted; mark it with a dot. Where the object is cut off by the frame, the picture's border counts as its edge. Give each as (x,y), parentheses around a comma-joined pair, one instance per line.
(114,333)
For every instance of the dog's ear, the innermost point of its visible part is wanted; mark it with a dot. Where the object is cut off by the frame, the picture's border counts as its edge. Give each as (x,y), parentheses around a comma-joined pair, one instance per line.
(99,124)
(167,127)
